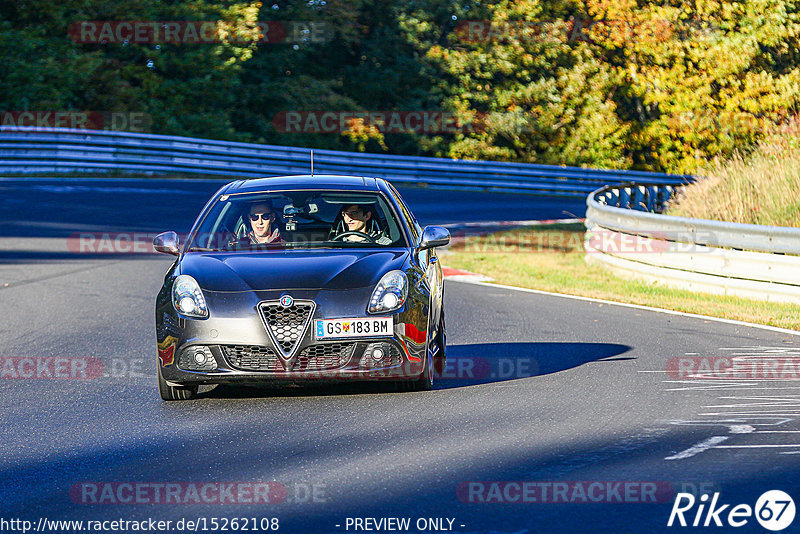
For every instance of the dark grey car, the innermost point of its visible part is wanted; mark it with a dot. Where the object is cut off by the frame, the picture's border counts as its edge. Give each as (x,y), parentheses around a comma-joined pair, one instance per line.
(299,278)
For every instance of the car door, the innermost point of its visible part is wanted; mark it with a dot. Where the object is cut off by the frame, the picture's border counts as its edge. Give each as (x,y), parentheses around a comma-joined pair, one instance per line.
(427,260)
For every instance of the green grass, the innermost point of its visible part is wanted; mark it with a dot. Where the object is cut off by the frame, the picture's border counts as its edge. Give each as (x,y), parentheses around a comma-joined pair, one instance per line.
(552,258)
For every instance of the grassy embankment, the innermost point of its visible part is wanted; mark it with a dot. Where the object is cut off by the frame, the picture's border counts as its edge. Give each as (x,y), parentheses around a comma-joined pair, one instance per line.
(761,188)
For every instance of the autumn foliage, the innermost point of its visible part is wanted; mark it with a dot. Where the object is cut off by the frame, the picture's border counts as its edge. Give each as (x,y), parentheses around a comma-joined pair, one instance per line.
(603,83)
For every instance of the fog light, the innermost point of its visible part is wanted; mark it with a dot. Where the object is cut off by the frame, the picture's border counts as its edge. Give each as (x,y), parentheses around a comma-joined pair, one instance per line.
(377,354)
(197,358)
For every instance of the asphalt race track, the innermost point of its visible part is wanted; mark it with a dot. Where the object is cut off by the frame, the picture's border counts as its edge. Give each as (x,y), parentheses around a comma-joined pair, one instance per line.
(580,409)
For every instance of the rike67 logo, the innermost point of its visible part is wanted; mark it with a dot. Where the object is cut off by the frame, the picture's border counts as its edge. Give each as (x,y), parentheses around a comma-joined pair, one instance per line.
(774,510)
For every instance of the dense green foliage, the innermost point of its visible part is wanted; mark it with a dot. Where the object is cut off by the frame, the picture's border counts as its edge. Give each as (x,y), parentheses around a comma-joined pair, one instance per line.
(654,85)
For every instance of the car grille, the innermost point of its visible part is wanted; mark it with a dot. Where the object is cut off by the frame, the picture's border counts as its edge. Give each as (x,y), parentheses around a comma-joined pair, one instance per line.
(313,358)
(252,358)
(287,325)
(328,356)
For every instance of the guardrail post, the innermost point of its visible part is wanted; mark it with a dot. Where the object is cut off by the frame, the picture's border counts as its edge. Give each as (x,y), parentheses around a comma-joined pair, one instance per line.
(641,199)
(624,197)
(664,194)
(651,197)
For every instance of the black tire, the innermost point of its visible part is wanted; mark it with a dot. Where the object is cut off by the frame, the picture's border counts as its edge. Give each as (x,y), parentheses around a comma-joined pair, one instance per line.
(172,393)
(440,360)
(425,381)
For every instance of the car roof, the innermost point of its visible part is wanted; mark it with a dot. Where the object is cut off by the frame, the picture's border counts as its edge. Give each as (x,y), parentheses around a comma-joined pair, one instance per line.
(304,182)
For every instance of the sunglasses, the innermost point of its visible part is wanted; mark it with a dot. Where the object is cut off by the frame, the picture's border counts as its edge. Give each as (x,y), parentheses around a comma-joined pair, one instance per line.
(352,213)
(265,216)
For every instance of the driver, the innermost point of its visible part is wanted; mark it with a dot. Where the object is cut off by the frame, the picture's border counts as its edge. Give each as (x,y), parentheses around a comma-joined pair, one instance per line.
(358,218)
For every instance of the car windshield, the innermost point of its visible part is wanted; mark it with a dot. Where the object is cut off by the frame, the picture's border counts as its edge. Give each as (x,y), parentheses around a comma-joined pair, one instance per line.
(297,219)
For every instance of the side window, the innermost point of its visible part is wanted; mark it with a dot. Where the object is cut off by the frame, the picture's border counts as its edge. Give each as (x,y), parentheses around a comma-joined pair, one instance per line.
(411,221)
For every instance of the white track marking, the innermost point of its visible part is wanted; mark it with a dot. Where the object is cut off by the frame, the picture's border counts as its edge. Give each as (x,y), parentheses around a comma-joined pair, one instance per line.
(763,397)
(732,422)
(698,448)
(741,388)
(750,414)
(776,446)
(775,350)
(752,404)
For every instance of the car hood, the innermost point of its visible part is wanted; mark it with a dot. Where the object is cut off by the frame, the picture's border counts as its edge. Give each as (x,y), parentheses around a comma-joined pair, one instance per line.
(295,269)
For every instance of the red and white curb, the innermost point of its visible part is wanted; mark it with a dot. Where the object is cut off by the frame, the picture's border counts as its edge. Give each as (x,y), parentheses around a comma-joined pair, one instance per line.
(464,276)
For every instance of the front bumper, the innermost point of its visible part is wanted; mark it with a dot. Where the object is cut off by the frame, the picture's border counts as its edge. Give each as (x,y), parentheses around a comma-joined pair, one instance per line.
(253,363)
(233,345)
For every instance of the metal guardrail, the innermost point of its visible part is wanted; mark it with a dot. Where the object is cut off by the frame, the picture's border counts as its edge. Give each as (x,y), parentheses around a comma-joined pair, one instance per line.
(628,232)
(25,150)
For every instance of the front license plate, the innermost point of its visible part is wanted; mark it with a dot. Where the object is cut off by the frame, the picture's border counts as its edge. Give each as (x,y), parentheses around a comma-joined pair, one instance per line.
(358,327)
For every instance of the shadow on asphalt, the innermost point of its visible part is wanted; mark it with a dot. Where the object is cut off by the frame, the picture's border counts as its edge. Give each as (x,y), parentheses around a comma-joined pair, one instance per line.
(467,365)
(484,363)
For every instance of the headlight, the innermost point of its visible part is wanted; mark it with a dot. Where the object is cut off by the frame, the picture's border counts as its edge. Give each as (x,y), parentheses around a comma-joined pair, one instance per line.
(188,298)
(390,293)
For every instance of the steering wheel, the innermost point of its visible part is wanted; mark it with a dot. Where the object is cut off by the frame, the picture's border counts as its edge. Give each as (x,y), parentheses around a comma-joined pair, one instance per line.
(345,234)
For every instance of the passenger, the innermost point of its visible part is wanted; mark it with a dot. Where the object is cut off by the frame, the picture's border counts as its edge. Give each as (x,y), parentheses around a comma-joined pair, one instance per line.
(359,218)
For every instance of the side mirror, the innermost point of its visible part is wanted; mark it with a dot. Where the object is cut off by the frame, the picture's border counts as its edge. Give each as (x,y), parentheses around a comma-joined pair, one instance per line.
(434,236)
(167,243)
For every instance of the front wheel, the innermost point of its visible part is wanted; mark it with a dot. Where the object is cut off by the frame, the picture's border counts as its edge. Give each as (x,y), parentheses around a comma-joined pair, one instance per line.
(173,393)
